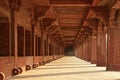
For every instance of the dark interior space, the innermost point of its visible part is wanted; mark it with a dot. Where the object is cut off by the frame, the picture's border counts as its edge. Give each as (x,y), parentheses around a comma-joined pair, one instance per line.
(69,51)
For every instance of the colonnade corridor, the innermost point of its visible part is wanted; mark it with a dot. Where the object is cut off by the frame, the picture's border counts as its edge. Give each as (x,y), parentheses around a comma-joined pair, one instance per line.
(68,68)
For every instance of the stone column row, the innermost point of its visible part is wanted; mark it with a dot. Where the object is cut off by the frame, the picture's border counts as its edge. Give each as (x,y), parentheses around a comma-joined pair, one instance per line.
(94,49)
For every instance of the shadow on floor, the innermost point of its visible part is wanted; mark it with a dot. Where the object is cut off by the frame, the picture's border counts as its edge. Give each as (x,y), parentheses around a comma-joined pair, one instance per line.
(68,64)
(57,74)
(64,67)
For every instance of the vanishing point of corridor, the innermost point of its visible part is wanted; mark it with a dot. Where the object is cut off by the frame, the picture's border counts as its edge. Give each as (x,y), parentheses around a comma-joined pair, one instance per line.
(68,68)
(37,35)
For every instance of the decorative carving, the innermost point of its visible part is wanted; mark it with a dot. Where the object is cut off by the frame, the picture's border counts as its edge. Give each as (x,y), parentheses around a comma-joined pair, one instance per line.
(47,22)
(101,12)
(93,23)
(112,23)
(52,29)
(40,11)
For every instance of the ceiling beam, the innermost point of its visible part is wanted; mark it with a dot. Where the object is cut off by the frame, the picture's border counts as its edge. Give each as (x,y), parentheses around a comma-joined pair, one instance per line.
(71,2)
(70,24)
(69,36)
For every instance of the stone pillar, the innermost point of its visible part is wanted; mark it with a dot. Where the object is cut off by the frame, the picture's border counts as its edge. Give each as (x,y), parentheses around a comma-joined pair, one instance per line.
(86,51)
(42,41)
(94,49)
(113,59)
(33,40)
(113,49)
(80,51)
(54,50)
(14,8)
(104,45)
(101,57)
(47,36)
(89,49)
(83,49)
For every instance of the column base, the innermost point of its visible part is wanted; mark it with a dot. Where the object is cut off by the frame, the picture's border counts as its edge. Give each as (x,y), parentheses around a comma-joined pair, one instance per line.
(93,62)
(102,65)
(113,68)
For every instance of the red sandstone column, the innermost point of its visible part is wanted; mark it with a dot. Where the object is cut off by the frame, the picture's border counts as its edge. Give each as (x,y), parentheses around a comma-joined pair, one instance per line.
(83,51)
(104,45)
(42,41)
(101,57)
(113,55)
(94,49)
(113,49)
(89,49)
(13,29)
(48,55)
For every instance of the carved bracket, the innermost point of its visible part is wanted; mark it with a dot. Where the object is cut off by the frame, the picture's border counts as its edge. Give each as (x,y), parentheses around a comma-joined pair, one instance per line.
(93,23)
(40,11)
(47,22)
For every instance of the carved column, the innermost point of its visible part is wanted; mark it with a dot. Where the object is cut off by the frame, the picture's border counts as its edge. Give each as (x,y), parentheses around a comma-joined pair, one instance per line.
(113,58)
(104,46)
(80,53)
(94,48)
(101,57)
(14,8)
(93,23)
(32,38)
(42,40)
(86,51)
(84,55)
(89,48)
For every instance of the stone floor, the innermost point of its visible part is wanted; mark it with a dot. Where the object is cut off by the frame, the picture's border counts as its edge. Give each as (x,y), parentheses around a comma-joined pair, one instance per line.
(68,68)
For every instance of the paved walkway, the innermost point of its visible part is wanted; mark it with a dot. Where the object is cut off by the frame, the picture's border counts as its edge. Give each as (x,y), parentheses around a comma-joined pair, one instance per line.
(68,68)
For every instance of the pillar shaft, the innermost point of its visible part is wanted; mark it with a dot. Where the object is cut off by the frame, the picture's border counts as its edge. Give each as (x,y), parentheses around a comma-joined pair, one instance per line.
(94,50)
(101,56)
(113,49)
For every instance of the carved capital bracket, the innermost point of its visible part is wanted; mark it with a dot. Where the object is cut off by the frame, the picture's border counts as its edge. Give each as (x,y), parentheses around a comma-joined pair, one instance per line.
(101,12)
(93,23)
(94,33)
(40,11)
(47,22)
(114,20)
(52,29)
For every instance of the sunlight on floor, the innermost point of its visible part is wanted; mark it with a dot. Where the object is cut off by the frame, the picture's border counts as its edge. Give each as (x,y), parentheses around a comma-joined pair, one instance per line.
(68,68)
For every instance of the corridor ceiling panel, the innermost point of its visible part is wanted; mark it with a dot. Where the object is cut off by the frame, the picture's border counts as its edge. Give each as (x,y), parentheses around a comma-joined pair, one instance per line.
(71,16)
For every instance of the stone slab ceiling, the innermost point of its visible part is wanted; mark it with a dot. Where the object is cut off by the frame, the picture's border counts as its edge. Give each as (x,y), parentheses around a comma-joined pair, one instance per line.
(71,15)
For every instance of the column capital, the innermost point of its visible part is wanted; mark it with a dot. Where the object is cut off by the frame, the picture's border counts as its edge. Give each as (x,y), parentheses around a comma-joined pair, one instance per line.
(101,12)
(47,21)
(93,23)
(40,11)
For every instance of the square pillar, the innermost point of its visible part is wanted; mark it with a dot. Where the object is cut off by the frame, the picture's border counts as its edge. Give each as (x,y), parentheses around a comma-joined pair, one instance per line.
(101,56)
(113,49)
(94,49)
(113,57)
